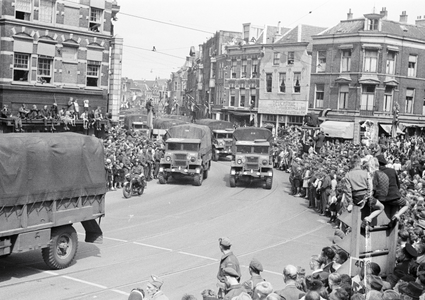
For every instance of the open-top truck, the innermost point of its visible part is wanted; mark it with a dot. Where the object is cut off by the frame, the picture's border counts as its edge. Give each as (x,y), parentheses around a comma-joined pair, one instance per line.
(222,136)
(47,183)
(188,152)
(252,156)
(161,125)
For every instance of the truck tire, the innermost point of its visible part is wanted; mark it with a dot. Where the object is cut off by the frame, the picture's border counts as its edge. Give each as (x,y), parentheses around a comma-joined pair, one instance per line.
(268,184)
(62,247)
(232,181)
(197,179)
(205,174)
(161,179)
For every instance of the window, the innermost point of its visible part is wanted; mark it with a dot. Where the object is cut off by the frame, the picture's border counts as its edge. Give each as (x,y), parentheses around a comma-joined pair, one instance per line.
(45,13)
(346,60)
(253,98)
(93,72)
(282,79)
(243,73)
(372,24)
(44,69)
(233,71)
(320,95)
(269,80)
(321,61)
(388,99)
(254,68)
(297,80)
(410,94)
(23,10)
(232,97)
(21,67)
(391,62)
(276,58)
(291,58)
(242,97)
(343,97)
(370,60)
(95,19)
(411,71)
(368,97)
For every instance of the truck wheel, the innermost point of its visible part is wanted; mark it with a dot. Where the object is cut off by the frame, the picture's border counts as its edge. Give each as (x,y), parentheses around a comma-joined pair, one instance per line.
(232,181)
(62,247)
(197,180)
(269,182)
(126,191)
(161,179)
(205,174)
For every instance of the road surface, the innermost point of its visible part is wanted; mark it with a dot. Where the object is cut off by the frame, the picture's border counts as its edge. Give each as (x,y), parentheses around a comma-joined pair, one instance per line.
(172,231)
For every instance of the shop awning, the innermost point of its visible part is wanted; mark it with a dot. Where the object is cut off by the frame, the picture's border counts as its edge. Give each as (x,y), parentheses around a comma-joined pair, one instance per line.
(335,129)
(387,128)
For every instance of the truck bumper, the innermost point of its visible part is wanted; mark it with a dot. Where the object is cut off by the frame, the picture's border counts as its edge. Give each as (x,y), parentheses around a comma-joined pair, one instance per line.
(251,173)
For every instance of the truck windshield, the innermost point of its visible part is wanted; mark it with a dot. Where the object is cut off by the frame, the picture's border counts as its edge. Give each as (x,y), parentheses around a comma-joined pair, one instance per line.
(243,149)
(182,146)
(224,136)
(261,149)
(139,126)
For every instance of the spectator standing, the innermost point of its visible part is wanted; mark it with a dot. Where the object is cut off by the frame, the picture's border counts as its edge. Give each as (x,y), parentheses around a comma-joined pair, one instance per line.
(290,291)
(228,259)
(320,140)
(255,268)
(234,288)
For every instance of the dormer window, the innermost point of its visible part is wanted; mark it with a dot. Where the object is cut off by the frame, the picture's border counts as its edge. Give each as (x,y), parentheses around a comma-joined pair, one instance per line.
(372,24)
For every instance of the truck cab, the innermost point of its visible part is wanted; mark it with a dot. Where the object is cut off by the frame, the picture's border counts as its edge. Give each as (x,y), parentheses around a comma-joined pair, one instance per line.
(141,127)
(222,142)
(252,156)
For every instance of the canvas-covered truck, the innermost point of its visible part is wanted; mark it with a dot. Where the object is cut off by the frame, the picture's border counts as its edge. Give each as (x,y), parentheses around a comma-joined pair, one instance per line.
(252,156)
(188,152)
(47,183)
(222,132)
(137,122)
(161,125)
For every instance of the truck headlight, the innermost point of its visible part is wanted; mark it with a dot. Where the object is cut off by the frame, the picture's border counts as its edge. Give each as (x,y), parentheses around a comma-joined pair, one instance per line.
(161,169)
(168,158)
(265,161)
(192,158)
(239,161)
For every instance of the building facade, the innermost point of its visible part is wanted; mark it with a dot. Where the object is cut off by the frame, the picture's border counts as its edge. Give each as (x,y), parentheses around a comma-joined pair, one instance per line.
(366,68)
(53,50)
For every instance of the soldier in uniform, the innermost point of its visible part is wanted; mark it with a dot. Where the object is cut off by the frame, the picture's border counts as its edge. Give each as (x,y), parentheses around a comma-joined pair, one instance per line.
(255,268)
(234,288)
(228,259)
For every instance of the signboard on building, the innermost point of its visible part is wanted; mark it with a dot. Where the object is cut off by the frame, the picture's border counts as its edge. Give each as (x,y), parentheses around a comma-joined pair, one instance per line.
(283,107)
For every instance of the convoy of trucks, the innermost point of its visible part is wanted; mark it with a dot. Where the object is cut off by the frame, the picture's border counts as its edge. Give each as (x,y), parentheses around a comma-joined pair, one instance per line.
(222,136)
(48,183)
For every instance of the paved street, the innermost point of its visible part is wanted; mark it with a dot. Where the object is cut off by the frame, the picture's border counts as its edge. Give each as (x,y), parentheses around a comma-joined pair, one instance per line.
(172,231)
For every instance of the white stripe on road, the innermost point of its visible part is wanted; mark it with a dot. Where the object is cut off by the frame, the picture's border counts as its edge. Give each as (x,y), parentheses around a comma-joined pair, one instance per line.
(152,246)
(85,282)
(200,256)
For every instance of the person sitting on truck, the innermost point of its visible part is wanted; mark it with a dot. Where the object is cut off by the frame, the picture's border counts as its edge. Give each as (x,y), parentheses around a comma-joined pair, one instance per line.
(6,113)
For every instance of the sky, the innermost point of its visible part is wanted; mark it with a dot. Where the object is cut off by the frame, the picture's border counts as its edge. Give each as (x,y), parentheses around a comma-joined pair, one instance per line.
(173,26)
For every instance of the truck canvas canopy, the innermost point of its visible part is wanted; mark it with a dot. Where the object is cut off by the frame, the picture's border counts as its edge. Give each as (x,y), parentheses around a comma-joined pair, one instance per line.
(37,167)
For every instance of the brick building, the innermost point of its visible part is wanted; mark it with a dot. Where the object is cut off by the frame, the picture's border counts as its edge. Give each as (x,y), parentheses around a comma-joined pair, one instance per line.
(363,67)
(53,50)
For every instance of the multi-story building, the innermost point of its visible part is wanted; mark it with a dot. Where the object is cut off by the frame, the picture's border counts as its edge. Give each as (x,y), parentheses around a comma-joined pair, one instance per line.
(362,68)
(53,50)
(284,83)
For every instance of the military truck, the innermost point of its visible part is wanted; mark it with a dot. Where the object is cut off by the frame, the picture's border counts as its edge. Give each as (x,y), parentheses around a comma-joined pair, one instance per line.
(222,136)
(252,156)
(137,122)
(47,183)
(161,125)
(188,152)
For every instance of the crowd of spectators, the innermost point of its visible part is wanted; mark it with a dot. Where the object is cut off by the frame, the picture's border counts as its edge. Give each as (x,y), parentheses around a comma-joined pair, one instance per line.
(318,168)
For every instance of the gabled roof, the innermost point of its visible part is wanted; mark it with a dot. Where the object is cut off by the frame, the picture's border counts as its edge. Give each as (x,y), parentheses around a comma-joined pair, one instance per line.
(388,27)
(299,34)
(271,33)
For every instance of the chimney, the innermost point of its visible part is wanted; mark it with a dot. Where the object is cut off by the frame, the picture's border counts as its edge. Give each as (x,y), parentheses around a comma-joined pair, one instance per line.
(420,22)
(403,17)
(349,15)
(384,13)
(278,28)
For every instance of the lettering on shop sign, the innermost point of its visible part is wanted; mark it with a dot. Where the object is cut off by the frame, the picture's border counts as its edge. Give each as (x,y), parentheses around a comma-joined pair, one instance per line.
(282,107)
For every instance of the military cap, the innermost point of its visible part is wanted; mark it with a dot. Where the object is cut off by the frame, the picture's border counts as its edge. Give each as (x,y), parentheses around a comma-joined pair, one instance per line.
(256,265)
(224,241)
(410,250)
